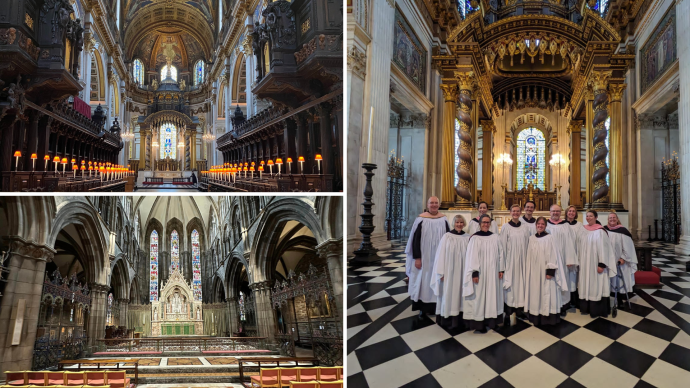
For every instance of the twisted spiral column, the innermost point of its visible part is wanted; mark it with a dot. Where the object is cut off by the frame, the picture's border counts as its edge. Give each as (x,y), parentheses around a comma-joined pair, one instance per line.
(464,151)
(599,81)
(450,95)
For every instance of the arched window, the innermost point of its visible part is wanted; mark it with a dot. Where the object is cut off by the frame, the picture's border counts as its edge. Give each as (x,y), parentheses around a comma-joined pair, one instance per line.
(109,318)
(196,266)
(153,288)
(136,227)
(174,251)
(530,158)
(173,72)
(243,316)
(199,72)
(168,141)
(138,72)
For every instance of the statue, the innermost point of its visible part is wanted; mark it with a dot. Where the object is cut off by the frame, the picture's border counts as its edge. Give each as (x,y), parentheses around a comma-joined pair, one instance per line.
(183,85)
(198,314)
(154,84)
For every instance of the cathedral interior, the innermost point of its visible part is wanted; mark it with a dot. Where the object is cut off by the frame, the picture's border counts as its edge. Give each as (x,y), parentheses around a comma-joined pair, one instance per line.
(560,102)
(178,95)
(230,275)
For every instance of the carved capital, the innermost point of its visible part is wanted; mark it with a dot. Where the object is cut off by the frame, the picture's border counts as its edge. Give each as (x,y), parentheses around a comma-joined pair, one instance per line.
(332,247)
(465,80)
(99,288)
(450,92)
(599,79)
(29,250)
(575,126)
(616,91)
(357,62)
(488,126)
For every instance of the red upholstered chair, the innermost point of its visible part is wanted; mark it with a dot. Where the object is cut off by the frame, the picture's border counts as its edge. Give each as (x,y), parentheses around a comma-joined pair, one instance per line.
(340,372)
(302,384)
(117,379)
(36,378)
(656,270)
(268,377)
(308,374)
(15,378)
(287,375)
(328,374)
(95,378)
(74,379)
(55,378)
(331,384)
(647,278)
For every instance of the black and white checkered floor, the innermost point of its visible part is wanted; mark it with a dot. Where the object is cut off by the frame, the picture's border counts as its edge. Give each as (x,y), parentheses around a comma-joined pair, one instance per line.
(389,346)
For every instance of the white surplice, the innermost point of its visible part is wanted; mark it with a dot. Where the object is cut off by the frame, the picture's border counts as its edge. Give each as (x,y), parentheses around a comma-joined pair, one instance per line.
(543,296)
(474,227)
(624,248)
(483,300)
(565,243)
(514,239)
(449,265)
(532,226)
(433,230)
(594,248)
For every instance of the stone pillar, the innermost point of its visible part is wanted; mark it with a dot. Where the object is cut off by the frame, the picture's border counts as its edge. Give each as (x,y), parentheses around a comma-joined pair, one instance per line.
(450,95)
(26,263)
(123,305)
(683,23)
(144,148)
(600,193)
(464,151)
(616,144)
(488,129)
(332,251)
(232,315)
(265,316)
(95,328)
(575,162)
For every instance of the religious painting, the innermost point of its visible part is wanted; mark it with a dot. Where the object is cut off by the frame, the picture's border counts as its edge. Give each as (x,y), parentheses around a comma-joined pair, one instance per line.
(408,53)
(660,51)
(320,309)
(531,155)
(169,48)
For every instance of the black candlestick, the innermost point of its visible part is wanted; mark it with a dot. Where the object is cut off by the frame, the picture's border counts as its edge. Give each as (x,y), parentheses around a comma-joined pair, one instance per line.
(366,254)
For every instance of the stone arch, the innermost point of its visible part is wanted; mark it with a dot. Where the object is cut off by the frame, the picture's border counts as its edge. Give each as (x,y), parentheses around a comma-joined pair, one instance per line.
(28,217)
(196,223)
(97,78)
(134,292)
(237,95)
(119,278)
(218,290)
(330,209)
(269,229)
(232,275)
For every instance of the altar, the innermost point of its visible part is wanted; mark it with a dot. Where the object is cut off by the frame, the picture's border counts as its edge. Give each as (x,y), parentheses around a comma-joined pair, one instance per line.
(176,312)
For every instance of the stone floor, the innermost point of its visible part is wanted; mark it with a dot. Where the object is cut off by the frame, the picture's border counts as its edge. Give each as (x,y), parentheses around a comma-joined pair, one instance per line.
(645,346)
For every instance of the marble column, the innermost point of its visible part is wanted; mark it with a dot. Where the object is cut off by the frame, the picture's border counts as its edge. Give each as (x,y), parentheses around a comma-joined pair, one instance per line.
(265,315)
(26,263)
(683,28)
(450,95)
(95,328)
(616,144)
(464,170)
(600,193)
(332,251)
(575,163)
(488,129)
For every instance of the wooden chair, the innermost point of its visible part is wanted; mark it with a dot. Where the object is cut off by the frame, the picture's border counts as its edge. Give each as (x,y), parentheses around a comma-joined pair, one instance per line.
(287,375)
(55,378)
(268,377)
(15,378)
(308,374)
(95,378)
(303,384)
(117,379)
(328,373)
(36,378)
(331,384)
(74,379)
(340,372)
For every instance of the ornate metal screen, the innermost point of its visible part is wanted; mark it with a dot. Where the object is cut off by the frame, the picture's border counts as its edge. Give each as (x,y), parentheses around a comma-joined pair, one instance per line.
(670,194)
(395,199)
(246,313)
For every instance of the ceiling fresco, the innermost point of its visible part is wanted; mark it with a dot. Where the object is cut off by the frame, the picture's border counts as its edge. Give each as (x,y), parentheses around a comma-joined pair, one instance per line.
(132,7)
(154,49)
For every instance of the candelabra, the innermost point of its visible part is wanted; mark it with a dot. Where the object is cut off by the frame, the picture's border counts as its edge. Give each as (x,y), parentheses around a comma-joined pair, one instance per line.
(366,254)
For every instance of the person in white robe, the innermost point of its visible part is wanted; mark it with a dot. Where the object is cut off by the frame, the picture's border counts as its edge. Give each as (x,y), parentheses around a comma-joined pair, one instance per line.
(577,228)
(426,233)
(474,226)
(597,266)
(514,237)
(446,281)
(545,277)
(565,242)
(624,252)
(482,286)
(528,219)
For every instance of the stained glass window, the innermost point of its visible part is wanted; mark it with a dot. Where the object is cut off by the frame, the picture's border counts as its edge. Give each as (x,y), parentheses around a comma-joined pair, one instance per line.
(608,130)
(243,316)
(173,72)
(455,150)
(138,72)
(174,251)
(153,288)
(530,158)
(196,266)
(136,227)
(168,142)
(199,72)
(109,318)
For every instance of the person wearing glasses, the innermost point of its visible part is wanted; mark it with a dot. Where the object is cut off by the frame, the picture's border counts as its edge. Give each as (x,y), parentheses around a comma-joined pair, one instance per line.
(514,237)
(446,280)
(577,228)
(565,242)
(528,219)
(474,226)
(597,267)
(545,277)
(482,286)
(427,231)
(624,251)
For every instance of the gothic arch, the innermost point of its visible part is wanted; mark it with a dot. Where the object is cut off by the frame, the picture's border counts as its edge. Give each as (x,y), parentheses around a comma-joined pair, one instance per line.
(119,278)
(330,210)
(29,217)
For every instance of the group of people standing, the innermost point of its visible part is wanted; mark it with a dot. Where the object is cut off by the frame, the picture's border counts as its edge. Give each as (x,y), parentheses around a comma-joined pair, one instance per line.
(536,268)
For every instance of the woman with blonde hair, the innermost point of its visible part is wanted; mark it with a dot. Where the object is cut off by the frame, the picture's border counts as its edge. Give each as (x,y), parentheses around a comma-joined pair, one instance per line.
(623,251)
(446,280)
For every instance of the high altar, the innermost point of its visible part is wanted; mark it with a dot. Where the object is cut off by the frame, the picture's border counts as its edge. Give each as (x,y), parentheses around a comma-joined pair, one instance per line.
(176,312)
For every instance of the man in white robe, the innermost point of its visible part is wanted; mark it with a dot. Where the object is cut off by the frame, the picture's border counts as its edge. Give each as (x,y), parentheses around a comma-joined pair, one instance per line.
(482,285)
(514,237)
(527,218)
(447,275)
(624,252)
(427,231)
(565,242)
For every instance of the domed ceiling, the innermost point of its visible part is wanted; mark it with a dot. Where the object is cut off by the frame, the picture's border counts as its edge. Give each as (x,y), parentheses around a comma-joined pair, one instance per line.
(151,48)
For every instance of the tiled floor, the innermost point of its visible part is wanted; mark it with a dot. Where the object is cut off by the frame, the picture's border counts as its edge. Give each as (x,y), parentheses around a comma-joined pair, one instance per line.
(388,346)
